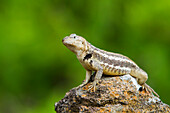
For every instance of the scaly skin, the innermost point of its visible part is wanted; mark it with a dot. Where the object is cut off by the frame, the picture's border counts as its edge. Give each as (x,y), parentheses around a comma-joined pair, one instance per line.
(103,62)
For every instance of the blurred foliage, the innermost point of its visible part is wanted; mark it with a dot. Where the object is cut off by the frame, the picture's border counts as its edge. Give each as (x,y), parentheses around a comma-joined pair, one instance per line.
(37,69)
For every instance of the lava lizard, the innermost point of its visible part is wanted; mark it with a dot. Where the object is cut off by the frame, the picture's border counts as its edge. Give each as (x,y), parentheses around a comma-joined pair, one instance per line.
(103,62)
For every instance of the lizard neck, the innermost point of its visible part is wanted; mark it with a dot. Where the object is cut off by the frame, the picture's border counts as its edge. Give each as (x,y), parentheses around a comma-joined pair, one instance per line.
(83,52)
(79,53)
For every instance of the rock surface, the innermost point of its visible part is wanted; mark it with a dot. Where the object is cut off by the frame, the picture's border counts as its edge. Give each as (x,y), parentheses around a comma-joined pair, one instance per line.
(112,95)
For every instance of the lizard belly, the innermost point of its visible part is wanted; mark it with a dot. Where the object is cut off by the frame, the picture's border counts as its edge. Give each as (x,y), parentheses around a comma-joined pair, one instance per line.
(107,72)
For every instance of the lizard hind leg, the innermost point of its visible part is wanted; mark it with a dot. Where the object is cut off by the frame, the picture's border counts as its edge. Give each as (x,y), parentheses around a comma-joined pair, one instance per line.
(140,75)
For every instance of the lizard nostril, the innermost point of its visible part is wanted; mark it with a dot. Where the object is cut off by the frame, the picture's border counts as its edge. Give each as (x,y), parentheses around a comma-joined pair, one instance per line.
(63,40)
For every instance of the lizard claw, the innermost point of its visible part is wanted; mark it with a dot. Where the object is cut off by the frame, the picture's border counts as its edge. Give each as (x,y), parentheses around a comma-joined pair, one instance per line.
(148,89)
(81,85)
(90,87)
(93,85)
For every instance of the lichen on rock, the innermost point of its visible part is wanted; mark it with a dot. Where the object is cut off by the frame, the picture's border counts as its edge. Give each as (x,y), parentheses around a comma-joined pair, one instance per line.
(113,94)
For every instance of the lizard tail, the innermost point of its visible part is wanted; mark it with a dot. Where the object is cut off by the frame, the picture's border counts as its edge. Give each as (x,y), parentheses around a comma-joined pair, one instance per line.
(149,89)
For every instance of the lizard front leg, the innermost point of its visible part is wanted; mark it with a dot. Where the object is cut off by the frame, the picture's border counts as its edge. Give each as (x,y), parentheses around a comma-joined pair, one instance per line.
(88,75)
(141,77)
(97,76)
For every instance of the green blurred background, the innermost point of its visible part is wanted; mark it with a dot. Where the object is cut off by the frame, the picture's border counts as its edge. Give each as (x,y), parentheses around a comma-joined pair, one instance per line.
(36,69)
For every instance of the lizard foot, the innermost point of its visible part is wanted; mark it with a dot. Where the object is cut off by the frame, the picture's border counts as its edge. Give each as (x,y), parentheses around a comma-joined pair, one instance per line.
(93,85)
(148,89)
(81,85)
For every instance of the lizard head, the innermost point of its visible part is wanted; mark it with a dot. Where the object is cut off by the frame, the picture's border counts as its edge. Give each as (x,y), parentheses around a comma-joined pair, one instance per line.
(75,43)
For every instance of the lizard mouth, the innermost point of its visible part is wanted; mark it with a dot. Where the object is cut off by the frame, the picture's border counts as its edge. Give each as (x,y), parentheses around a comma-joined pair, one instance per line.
(71,45)
(67,43)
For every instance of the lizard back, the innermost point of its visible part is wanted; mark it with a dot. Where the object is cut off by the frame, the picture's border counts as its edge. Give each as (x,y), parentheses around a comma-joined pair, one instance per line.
(113,63)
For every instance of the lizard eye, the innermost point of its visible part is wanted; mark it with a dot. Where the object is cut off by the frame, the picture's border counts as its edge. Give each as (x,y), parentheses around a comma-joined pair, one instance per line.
(73,35)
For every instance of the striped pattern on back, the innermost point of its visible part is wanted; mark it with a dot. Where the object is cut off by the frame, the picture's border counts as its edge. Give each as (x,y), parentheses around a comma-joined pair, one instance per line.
(112,62)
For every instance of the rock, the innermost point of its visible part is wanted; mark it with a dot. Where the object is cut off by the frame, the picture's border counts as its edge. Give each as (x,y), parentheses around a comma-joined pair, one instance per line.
(113,94)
